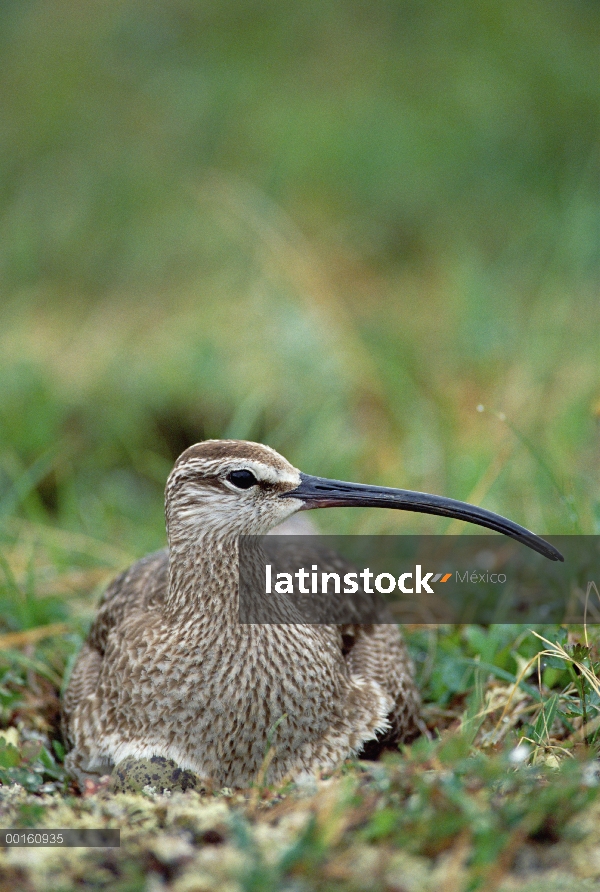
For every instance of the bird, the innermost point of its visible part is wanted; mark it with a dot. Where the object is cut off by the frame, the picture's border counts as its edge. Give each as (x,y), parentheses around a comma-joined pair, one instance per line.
(170,689)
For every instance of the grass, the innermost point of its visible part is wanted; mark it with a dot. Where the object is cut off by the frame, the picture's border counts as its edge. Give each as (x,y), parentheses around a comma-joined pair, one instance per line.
(369,238)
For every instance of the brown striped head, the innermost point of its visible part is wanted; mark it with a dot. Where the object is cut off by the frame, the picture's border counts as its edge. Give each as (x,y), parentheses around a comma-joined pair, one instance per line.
(232,487)
(229,487)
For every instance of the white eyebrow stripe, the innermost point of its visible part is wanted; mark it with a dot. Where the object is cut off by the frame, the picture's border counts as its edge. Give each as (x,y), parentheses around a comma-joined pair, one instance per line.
(262,472)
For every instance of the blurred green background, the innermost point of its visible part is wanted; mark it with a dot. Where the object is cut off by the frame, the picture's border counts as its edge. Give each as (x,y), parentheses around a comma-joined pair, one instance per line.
(334,227)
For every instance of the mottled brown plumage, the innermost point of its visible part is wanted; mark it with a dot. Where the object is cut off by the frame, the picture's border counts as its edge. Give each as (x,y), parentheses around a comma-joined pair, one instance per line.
(167,669)
(171,688)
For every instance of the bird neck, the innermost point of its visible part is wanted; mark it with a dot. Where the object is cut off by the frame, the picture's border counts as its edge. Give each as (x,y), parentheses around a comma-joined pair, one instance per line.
(203,574)
(204,583)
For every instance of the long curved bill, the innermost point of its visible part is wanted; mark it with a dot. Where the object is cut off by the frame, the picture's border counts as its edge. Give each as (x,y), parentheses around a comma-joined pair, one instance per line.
(319,492)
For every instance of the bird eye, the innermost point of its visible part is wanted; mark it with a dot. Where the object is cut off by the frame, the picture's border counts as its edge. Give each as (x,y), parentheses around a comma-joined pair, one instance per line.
(242,479)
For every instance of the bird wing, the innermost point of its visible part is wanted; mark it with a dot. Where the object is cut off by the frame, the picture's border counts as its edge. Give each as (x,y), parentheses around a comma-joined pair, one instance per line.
(142,585)
(289,553)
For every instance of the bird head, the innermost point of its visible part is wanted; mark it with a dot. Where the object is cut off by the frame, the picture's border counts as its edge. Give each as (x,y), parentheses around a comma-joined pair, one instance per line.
(229,487)
(234,487)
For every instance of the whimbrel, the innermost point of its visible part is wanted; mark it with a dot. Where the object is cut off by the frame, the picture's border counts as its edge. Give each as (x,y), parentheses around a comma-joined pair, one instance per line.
(170,689)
